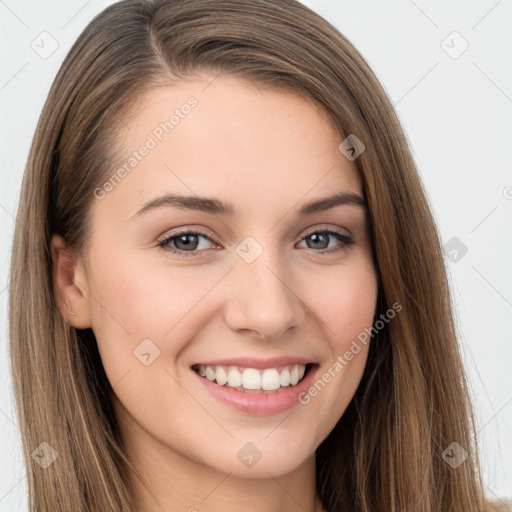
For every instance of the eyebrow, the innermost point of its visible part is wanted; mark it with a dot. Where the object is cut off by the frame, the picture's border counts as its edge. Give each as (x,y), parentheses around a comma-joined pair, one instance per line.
(216,207)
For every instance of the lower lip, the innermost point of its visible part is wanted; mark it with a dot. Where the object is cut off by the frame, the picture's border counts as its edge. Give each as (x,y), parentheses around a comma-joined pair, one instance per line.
(263,404)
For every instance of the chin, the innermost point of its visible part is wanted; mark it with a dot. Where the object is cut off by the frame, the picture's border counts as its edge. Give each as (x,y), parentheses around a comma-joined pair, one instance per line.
(259,456)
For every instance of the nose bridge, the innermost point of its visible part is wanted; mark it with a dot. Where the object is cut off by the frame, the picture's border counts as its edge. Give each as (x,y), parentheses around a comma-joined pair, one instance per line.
(262,298)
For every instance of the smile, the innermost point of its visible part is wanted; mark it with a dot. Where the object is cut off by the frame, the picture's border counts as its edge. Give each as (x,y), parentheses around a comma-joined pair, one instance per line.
(254,380)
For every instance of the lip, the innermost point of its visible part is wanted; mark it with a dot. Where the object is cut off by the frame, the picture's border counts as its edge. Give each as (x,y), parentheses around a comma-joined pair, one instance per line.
(258,363)
(263,404)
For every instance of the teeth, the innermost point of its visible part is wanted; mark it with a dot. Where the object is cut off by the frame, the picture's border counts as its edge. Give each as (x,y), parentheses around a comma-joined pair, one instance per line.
(252,379)
(234,378)
(284,378)
(294,376)
(210,373)
(221,376)
(270,379)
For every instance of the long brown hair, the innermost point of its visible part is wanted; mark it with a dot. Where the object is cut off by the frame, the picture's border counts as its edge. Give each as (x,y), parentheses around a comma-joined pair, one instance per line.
(385,453)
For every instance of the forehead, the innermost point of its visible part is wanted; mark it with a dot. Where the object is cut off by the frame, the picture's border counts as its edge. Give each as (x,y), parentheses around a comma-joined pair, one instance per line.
(227,138)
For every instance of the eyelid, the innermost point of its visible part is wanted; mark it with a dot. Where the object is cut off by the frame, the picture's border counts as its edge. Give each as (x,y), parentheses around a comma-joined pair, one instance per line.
(212,237)
(202,231)
(316,229)
(345,239)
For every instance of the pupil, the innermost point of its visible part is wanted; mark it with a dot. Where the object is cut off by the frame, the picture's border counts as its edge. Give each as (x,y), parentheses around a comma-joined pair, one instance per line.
(316,236)
(188,242)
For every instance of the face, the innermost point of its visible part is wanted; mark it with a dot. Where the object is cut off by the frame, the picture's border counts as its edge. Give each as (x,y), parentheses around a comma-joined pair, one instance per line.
(240,282)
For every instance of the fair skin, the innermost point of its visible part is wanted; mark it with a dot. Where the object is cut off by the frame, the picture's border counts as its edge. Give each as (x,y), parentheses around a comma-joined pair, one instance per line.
(267,152)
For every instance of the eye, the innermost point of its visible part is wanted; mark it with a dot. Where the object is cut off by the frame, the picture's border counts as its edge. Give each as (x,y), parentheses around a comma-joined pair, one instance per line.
(184,242)
(187,243)
(320,238)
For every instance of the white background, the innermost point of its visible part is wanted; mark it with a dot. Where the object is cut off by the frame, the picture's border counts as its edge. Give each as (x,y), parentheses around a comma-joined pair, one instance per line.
(457,114)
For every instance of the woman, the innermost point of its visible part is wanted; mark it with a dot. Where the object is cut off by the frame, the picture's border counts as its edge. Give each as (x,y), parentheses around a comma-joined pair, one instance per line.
(178,339)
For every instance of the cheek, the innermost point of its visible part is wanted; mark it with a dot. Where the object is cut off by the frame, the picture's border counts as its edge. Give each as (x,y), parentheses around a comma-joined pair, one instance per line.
(346,302)
(140,300)
(346,308)
(143,317)
(132,303)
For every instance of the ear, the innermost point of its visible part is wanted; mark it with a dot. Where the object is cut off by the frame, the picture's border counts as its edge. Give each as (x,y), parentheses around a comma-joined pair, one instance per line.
(69,284)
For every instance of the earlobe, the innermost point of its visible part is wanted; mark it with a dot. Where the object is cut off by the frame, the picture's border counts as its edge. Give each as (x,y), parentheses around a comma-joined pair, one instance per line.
(69,284)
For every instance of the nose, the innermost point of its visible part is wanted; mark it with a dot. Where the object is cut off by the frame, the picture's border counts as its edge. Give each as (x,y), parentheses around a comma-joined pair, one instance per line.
(262,298)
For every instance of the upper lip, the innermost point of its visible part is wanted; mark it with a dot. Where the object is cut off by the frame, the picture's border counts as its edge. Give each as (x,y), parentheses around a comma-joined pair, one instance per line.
(255,362)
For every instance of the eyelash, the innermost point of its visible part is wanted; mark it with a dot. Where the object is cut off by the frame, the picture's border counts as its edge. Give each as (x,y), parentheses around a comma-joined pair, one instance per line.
(346,242)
